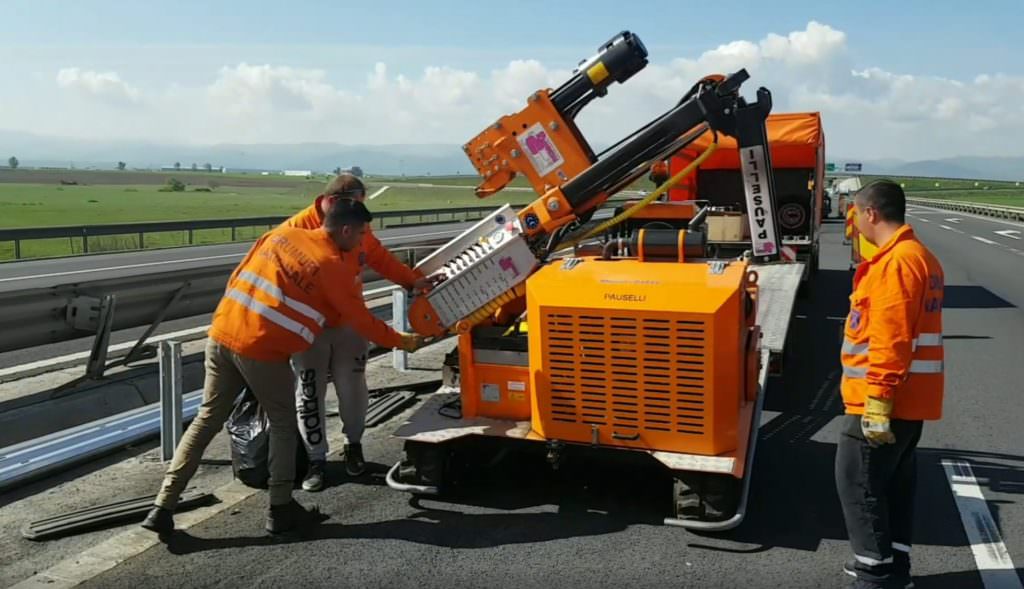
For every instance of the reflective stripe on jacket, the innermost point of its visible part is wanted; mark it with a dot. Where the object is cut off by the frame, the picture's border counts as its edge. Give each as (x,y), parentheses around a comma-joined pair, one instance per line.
(290,284)
(892,345)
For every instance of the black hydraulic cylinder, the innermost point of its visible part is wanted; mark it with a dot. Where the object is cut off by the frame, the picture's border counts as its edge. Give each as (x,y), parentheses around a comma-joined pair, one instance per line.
(663,244)
(615,61)
(649,142)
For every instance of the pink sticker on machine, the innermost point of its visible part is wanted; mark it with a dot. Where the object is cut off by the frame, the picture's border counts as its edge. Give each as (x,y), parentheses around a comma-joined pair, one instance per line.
(538,146)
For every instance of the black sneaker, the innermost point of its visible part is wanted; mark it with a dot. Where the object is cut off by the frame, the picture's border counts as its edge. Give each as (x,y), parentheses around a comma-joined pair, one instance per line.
(354,463)
(291,515)
(159,520)
(315,476)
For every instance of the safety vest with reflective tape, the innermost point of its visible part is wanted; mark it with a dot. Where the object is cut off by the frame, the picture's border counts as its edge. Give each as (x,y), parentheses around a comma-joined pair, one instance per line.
(892,344)
(290,284)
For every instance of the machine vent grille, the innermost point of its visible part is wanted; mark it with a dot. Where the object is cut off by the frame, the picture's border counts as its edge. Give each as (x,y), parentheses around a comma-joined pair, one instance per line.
(632,374)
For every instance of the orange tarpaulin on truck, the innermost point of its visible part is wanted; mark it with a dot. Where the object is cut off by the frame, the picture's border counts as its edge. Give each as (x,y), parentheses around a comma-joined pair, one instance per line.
(794,140)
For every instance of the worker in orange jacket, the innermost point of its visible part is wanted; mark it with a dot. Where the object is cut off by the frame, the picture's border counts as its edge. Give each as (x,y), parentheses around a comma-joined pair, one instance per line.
(277,301)
(340,348)
(892,360)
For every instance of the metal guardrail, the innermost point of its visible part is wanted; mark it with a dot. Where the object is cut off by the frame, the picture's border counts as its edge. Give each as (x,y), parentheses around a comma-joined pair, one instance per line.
(82,234)
(987,210)
(40,316)
(59,450)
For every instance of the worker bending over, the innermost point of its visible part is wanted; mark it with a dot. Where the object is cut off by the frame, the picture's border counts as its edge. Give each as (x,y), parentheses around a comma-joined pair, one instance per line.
(340,349)
(290,284)
(892,360)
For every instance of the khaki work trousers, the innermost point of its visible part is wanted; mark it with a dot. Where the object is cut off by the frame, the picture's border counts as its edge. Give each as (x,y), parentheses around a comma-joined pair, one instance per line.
(273,384)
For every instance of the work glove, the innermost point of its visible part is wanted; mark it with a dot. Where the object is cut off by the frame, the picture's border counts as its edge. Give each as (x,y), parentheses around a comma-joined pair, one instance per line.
(875,422)
(410,341)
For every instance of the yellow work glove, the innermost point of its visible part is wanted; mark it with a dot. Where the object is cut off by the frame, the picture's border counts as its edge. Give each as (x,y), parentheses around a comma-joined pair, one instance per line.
(875,421)
(410,341)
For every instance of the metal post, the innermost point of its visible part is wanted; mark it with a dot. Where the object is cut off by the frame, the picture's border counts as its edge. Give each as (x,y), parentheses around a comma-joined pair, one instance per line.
(17,249)
(170,398)
(142,240)
(97,363)
(400,358)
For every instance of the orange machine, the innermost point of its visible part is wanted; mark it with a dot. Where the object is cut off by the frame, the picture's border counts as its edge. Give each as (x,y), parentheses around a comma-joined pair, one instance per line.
(623,334)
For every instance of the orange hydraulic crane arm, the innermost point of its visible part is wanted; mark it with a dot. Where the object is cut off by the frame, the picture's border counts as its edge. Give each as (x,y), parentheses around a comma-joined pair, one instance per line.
(543,143)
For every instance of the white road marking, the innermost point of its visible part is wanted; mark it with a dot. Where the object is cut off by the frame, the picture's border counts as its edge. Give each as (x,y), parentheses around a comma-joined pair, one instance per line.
(947,227)
(1011,233)
(379,192)
(983,240)
(990,554)
(923,220)
(974,216)
(954,220)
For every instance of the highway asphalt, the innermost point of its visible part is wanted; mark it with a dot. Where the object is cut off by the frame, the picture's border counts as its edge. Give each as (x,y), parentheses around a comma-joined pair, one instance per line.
(594,524)
(51,272)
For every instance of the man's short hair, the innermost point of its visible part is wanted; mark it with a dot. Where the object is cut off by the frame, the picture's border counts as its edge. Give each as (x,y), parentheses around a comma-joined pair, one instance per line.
(346,211)
(345,185)
(886,197)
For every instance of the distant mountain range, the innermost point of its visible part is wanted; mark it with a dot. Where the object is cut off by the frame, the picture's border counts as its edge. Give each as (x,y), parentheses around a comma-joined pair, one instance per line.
(411,159)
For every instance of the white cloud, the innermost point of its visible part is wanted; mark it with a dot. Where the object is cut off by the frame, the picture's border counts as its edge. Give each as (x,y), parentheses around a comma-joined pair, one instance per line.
(868,111)
(106,86)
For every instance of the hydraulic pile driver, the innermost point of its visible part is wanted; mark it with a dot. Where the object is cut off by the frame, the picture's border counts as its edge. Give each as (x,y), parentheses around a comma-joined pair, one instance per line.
(621,334)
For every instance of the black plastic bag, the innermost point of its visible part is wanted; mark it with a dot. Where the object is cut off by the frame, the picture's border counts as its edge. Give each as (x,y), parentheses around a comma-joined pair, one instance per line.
(249,430)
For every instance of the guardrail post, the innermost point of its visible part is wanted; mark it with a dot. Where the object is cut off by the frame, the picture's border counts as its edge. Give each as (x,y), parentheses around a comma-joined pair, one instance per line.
(400,358)
(17,249)
(142,240)
(170,398)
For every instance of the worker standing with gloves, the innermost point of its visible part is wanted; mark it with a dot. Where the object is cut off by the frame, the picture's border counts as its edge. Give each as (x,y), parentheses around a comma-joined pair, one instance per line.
(892,359)
(277,301)
(341,349)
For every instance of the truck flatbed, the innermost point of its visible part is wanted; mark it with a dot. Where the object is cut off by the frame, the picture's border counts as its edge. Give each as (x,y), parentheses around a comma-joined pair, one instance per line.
(777,290)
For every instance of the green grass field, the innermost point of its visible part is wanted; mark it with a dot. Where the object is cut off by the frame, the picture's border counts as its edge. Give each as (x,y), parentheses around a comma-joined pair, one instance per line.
(935,184)
(30,198)
(50,205)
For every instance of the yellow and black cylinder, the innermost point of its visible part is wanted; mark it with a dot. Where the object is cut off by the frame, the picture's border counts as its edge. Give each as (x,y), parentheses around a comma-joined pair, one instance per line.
(667,245)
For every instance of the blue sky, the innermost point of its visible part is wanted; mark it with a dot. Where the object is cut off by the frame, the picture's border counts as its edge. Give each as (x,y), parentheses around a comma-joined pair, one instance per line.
(82,61)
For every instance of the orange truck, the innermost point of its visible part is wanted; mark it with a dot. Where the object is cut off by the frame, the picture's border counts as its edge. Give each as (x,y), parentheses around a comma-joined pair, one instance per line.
(637,336)
(797,143)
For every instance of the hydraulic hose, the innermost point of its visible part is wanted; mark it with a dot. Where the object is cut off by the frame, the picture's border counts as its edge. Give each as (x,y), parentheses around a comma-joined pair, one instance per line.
(678,177)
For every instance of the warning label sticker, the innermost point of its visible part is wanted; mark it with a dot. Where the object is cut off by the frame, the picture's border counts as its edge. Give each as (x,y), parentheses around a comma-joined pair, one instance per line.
(538,146)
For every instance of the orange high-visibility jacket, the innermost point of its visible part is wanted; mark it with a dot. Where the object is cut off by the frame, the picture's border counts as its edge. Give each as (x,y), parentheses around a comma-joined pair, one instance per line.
(371,252)
(289,285)
(892,345)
